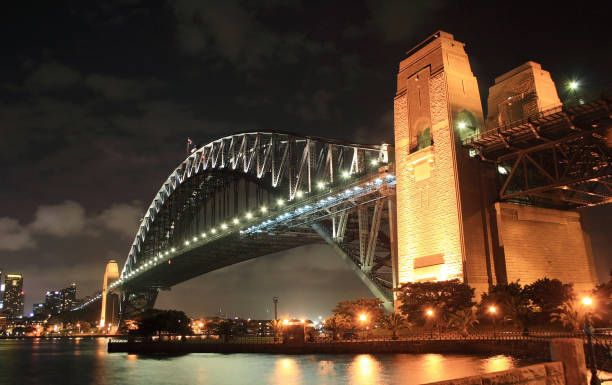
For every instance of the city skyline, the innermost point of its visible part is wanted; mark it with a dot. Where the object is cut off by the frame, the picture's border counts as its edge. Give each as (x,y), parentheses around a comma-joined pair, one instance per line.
(106,133)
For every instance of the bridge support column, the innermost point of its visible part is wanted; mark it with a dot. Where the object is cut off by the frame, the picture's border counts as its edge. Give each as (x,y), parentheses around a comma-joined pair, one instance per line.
(110,304)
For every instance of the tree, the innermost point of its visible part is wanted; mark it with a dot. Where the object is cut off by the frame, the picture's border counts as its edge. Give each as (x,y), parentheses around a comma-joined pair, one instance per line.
(371,307)
(225,329)
(336,324)
(155,322)
(394,322)
(572,314)
(463,320)
(548,294)
(276,326)
(512,301)
(446,297)
(602,297)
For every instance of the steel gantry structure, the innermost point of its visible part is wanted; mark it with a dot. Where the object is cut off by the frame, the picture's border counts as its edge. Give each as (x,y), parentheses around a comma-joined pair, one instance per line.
(560,157)
(252,194)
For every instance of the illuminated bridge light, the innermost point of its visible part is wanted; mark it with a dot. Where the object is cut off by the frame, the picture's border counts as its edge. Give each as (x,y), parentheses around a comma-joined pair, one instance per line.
(195,239)
(320,185)
(203,235)
(263,209)
(173,250)
(280,202)
(213,230)
(186,243)
(249,215)
(223,226)
(374,162)
(235,221)
(346,174)
(299,194)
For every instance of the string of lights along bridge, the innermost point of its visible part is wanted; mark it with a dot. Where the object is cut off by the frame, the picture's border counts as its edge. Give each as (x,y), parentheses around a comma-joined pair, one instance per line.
(459,195)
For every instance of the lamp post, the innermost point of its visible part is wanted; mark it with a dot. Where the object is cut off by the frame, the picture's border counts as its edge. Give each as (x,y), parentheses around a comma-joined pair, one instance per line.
(275,300)
(430,314)
(588,330)
(492,311)
(364,319)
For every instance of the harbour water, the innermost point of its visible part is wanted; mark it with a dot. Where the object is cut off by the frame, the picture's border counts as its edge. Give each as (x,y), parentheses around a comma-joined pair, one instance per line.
(85,361)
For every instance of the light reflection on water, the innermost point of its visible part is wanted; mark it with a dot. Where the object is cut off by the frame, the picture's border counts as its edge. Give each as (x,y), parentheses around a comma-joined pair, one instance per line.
(87,362)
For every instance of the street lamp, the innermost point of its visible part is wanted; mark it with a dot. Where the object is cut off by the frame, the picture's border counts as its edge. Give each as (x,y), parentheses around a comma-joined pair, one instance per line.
(364,319)
(588,329)
(430,314)
(492,311)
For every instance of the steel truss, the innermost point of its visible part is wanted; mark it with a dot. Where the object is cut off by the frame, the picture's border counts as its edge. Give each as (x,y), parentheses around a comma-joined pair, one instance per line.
(561,157)
(219,182)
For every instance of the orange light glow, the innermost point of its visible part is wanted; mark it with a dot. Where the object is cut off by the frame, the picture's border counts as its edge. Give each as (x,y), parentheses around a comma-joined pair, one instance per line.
(363,318)
(429,312)
(492,309)
(285,322)
(587,301)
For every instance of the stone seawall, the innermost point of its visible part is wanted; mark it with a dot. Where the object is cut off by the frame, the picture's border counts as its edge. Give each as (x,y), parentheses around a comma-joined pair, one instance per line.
(549,373)
(536,349)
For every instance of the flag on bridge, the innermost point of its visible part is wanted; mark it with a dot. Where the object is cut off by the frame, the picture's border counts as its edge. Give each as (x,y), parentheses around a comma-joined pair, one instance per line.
(191,146)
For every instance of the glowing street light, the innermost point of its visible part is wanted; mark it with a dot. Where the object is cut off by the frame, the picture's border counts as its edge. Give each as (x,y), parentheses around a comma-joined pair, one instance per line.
(249,215)
(285,321)
(223,226)
(363,318)
(573,85)
(263,209)
(430,314)
(492,311)
(588,301)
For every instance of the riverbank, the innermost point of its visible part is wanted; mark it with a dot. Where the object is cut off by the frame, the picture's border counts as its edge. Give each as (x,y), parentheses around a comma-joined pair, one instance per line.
(535,349)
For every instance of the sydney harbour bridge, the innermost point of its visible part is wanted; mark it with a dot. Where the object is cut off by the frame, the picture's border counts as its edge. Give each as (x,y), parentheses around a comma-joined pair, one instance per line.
(394,213)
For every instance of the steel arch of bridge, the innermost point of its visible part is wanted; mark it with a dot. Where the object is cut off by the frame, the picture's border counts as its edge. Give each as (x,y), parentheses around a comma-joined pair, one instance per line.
(331,178)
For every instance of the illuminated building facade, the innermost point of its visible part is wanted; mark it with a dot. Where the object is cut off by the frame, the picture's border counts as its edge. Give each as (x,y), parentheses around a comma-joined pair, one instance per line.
(13,296)
(448,222)
(53,302)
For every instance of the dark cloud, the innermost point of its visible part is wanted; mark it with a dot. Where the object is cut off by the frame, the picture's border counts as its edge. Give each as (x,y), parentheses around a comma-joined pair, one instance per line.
(14,236)
(233,32)
(52,76)
(398,20)
(67,218)
(118,89)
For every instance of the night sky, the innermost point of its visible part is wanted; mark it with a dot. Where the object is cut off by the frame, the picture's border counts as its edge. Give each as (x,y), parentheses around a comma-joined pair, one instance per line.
(97,100)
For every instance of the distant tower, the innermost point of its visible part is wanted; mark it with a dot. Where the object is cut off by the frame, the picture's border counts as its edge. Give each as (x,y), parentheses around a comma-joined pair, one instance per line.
(110,303)
(439,195)
(13,296)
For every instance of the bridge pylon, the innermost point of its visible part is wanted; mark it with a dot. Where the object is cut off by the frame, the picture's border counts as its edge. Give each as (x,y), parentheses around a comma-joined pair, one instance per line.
(451,221)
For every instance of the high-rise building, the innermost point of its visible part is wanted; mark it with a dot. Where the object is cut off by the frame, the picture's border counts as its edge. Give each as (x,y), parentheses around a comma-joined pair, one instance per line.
(38,310)
(1,291)
(69,297)
(13,295)
(53,302)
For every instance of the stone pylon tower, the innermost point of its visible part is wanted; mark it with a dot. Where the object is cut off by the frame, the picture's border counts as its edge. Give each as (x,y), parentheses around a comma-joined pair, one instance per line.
(440,196)
(110,305)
